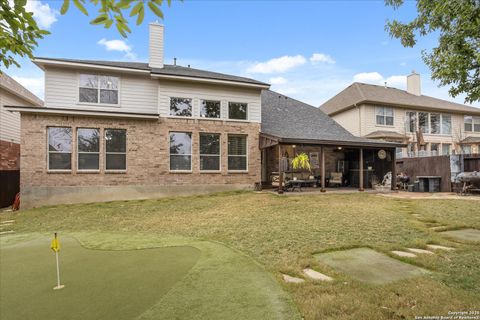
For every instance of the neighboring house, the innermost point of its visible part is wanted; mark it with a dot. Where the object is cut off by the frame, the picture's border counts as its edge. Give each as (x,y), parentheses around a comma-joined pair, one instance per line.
(12,93)
(125,130)
(427,125)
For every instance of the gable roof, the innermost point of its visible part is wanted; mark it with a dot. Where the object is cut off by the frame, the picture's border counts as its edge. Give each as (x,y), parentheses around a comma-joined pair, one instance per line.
(358,93)
(291,120)
(15,88)
(168,70)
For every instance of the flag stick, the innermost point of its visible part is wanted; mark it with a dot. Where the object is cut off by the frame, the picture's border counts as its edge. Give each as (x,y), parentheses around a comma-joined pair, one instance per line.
(56,248)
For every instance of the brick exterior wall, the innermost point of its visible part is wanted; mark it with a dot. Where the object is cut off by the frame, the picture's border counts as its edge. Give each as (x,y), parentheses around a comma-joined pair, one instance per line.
(9,155)
(147,152)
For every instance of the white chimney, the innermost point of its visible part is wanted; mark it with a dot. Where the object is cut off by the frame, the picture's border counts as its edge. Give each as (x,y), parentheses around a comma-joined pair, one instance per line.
(156,45)
(413,84)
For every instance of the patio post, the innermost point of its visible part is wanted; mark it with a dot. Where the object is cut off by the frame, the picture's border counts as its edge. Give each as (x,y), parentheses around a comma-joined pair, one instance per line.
(394,170)
(322,173)
(280,173)
(360,172)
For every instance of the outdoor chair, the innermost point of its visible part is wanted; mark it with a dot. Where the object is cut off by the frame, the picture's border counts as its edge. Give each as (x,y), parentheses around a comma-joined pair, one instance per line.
(336,178)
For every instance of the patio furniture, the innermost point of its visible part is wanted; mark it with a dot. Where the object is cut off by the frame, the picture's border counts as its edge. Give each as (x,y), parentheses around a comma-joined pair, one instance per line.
(336,178)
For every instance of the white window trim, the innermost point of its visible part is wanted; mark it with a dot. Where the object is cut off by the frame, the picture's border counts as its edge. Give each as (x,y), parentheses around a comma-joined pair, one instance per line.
(210,155)
(200,109)
(385,117)
(181,117)
(105,152)
(429,132)
(98,91)
(82,152)
(191,153)
(246,155)
(241,120)
(48,152)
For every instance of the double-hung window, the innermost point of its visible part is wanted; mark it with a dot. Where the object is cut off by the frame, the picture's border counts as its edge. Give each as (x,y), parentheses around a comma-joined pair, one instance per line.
(115,149)
(446,124)
(446,149)
(237,111)
(209,151)
(384,116)
(88,149)
(98,89)
(59,148)
(423,122)
(411,121)
(209,109)
(468,123)
(435,123)
(237,152)
(181,107)
(180,151)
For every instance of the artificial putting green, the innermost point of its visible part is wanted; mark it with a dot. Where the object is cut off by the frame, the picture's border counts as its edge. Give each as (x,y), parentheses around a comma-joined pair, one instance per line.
(121,276)
(369,266)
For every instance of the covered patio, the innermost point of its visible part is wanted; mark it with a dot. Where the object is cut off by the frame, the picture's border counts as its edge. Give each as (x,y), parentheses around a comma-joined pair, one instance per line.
(337,158)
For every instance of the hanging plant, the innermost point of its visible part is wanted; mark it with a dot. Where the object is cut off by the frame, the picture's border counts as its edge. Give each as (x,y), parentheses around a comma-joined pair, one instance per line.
(301,161)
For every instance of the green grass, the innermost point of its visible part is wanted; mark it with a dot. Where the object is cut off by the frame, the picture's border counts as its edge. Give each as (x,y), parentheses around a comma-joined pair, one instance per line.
(284,233)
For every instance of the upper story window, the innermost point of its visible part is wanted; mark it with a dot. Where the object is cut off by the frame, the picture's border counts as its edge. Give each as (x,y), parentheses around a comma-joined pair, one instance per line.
(446,124)
(472,124)
(384,116)
(423,124)
(88,149)
(430,123)
(209,109)
(411,121)
(180,151)
(59,148)
(435,123)
(237,111)
(98,89)
(181,107)
(115,149)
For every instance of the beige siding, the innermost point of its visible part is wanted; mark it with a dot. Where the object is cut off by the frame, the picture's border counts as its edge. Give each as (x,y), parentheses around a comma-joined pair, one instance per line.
(137,93)
(10,121)
(350,120)
(197,92)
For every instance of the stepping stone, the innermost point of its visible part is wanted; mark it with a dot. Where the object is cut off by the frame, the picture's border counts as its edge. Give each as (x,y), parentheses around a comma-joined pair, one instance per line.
(415,250)
(464,234)
(7,221)
(6,232)
(289,279)
(437,247)
(416,215)
(315,275)
(404,254)
(437,228)
(367,265)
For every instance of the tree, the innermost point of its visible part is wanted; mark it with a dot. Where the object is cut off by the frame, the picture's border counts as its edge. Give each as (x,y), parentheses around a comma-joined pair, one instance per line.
(456,60)
(19,32)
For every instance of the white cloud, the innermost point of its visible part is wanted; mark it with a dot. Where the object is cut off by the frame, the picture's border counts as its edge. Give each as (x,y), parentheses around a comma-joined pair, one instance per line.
(397,81)
(118,45)
(403,64)
(368,77)
(278,80)
(42,13)
(278,65)
(35,85)
(321,57)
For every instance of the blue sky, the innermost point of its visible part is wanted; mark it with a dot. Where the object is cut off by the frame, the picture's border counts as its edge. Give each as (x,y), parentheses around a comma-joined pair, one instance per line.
(309,50)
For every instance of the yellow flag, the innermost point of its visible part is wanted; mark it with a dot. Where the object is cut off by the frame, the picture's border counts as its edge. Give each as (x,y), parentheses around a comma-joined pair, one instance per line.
(55,244)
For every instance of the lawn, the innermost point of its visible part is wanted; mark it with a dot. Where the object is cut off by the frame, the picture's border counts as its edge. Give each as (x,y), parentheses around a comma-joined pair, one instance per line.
(283,234)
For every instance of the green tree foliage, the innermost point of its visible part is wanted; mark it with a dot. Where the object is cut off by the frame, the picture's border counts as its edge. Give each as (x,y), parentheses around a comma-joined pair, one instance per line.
(19,32)
(301,161)
(455,62)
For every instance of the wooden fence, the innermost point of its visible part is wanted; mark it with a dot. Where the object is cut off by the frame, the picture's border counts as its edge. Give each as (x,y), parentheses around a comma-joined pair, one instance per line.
(9,186)
(427,166)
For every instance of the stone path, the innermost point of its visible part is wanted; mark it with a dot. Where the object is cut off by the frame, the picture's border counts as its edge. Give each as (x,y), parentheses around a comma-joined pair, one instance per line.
(468,234)
(415,250)
(290,279)
(315,275)
(437,247)
(404,254)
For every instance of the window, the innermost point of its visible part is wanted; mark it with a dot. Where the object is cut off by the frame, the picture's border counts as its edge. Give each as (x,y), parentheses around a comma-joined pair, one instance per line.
(446,124)
(384,116)
(237,152)
(434,148)
(476,124)
(209,151)
(180,151)
(466,149)
(468,123)
(209,109)
(423,121)
(411,121)
(435,123)
(98,89)
(59,148)
(238,111)
(88,149)
(181,107)
(116,149)
(446,149)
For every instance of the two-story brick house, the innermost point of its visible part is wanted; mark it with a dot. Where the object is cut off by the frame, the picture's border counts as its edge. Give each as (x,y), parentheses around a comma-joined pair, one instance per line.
(427,125)
(125,130)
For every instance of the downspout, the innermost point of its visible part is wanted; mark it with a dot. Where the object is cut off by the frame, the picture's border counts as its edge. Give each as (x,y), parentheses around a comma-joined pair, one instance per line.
(359,120)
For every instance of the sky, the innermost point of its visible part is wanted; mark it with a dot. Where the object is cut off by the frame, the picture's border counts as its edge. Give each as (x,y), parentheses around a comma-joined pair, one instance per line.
(309,50)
